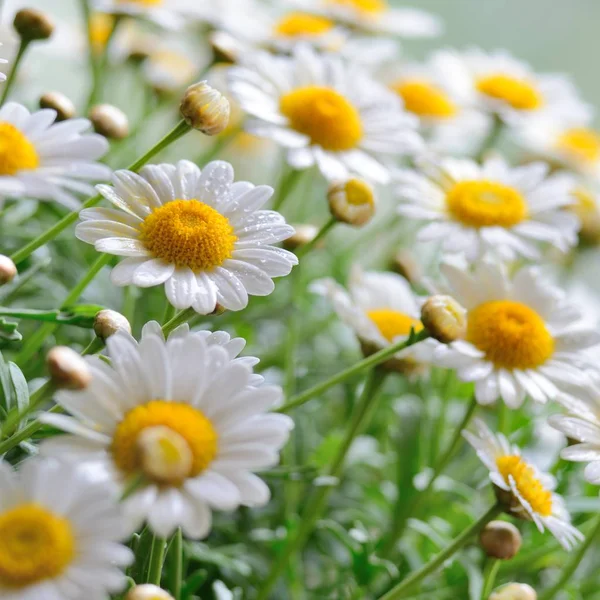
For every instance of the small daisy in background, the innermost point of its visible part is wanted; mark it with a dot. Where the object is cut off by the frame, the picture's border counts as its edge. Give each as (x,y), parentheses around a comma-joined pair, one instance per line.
(59,534)
(168,70)
(325,112)
(170,14)
(523,491)
(196,231)
(493,207)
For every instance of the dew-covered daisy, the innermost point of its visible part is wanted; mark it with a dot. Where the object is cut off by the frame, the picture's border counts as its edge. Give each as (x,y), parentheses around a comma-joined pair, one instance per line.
(59,534)
(493,207)
(195,231)
(325,112)
(523,338)
(46,160)
(520,487)
(186,417)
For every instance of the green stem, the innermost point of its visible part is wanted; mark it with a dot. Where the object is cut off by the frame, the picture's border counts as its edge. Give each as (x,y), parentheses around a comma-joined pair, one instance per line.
(178,319)
(491,139)
(572,565)
(157,556)
(27,432)
(491,571)
(359,367)
(303,250)
(399,590)
(87,18)
(14,68)
(176,574)
(286,186)
(318,500)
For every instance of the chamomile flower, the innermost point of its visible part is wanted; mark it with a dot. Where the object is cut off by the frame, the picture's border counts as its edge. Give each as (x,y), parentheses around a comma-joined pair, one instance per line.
(186,414)
(523,338)
(46,160)
(325,112)
(195,231)
(492,207)
(170,14)
(168,70)
(59,534)
(524,492)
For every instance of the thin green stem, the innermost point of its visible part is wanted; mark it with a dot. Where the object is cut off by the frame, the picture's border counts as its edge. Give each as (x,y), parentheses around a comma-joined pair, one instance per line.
(286,186)
(176,574)
(87,19)
(157,557)
(492,138)
(178,319)
(491,571)
(27,432)
(399,590)
(14,68)
(304,250)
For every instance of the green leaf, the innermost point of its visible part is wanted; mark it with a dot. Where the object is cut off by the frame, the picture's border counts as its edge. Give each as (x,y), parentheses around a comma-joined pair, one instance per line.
(19,386)
(8,331)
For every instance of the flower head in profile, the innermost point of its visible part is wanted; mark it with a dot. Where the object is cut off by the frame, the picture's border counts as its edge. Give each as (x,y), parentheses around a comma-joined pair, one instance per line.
(46,160)
(523,491)
(59,534)
(185,415)
(523,338)
(490,208)
(324,112)
(196,231)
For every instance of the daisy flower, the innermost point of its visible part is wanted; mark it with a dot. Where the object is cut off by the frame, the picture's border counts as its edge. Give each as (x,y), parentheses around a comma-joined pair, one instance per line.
(523,338)
(197,232)
(46,160)
(492,207)
(170,14)
(187,414)
(325,112)
(59,534)
(521,488)
(168,70)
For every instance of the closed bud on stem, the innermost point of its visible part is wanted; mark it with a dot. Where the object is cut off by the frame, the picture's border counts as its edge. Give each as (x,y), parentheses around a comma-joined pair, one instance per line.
(444,318)
(8,269)
(64,107)
(108,322)
(352,201)
(109,121)
(500,539)
(205,109)
(303,234)
(33,25)
(515,591)
(147,591)
(68,370)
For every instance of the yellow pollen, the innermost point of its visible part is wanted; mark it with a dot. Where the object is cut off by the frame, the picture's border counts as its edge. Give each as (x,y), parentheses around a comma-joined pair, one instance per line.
(188,233)
(365,6)
(580,144)
(392,323)
(486,204)
(425,99)
(518,93)
(17,153)
(510,334)
(529,486)
(325,116)
(303,25)
(35,544)
(101,26)
(186,421)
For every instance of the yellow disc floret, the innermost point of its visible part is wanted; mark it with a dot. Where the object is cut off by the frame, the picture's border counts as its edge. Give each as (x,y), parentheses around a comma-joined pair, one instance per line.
(529,486)
(188,233)
(365,6)
(187,422)
(299,24)
(580,144)
(35,544)
(142,2)
(392,323)
(520,94)
(101,28)
(325,116)
(486,204)
(510,334)
(425,99)
(17,153)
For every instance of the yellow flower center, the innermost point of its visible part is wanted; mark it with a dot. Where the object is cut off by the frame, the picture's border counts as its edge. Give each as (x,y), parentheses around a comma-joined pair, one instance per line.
(17,153)
(359,193)
(323,115)
(190,425)
(580,144)
(518,93)
(303,25)
(510,334)
(529,486)
(424,99)
(101,26)
(188,233)
(142,2)
(35,544)
(486,204)
(365,6)
(392,323)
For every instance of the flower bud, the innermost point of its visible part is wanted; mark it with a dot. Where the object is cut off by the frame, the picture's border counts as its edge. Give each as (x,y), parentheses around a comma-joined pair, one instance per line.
(8,269)
(68,370)
(515,591)
(303,234)
(444,318)
(205,109)
(33,25)
(147,591)
(108,322)
(500,539)
(352,201)
(64,107)
(587,209)
(109,121)
(404,264)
